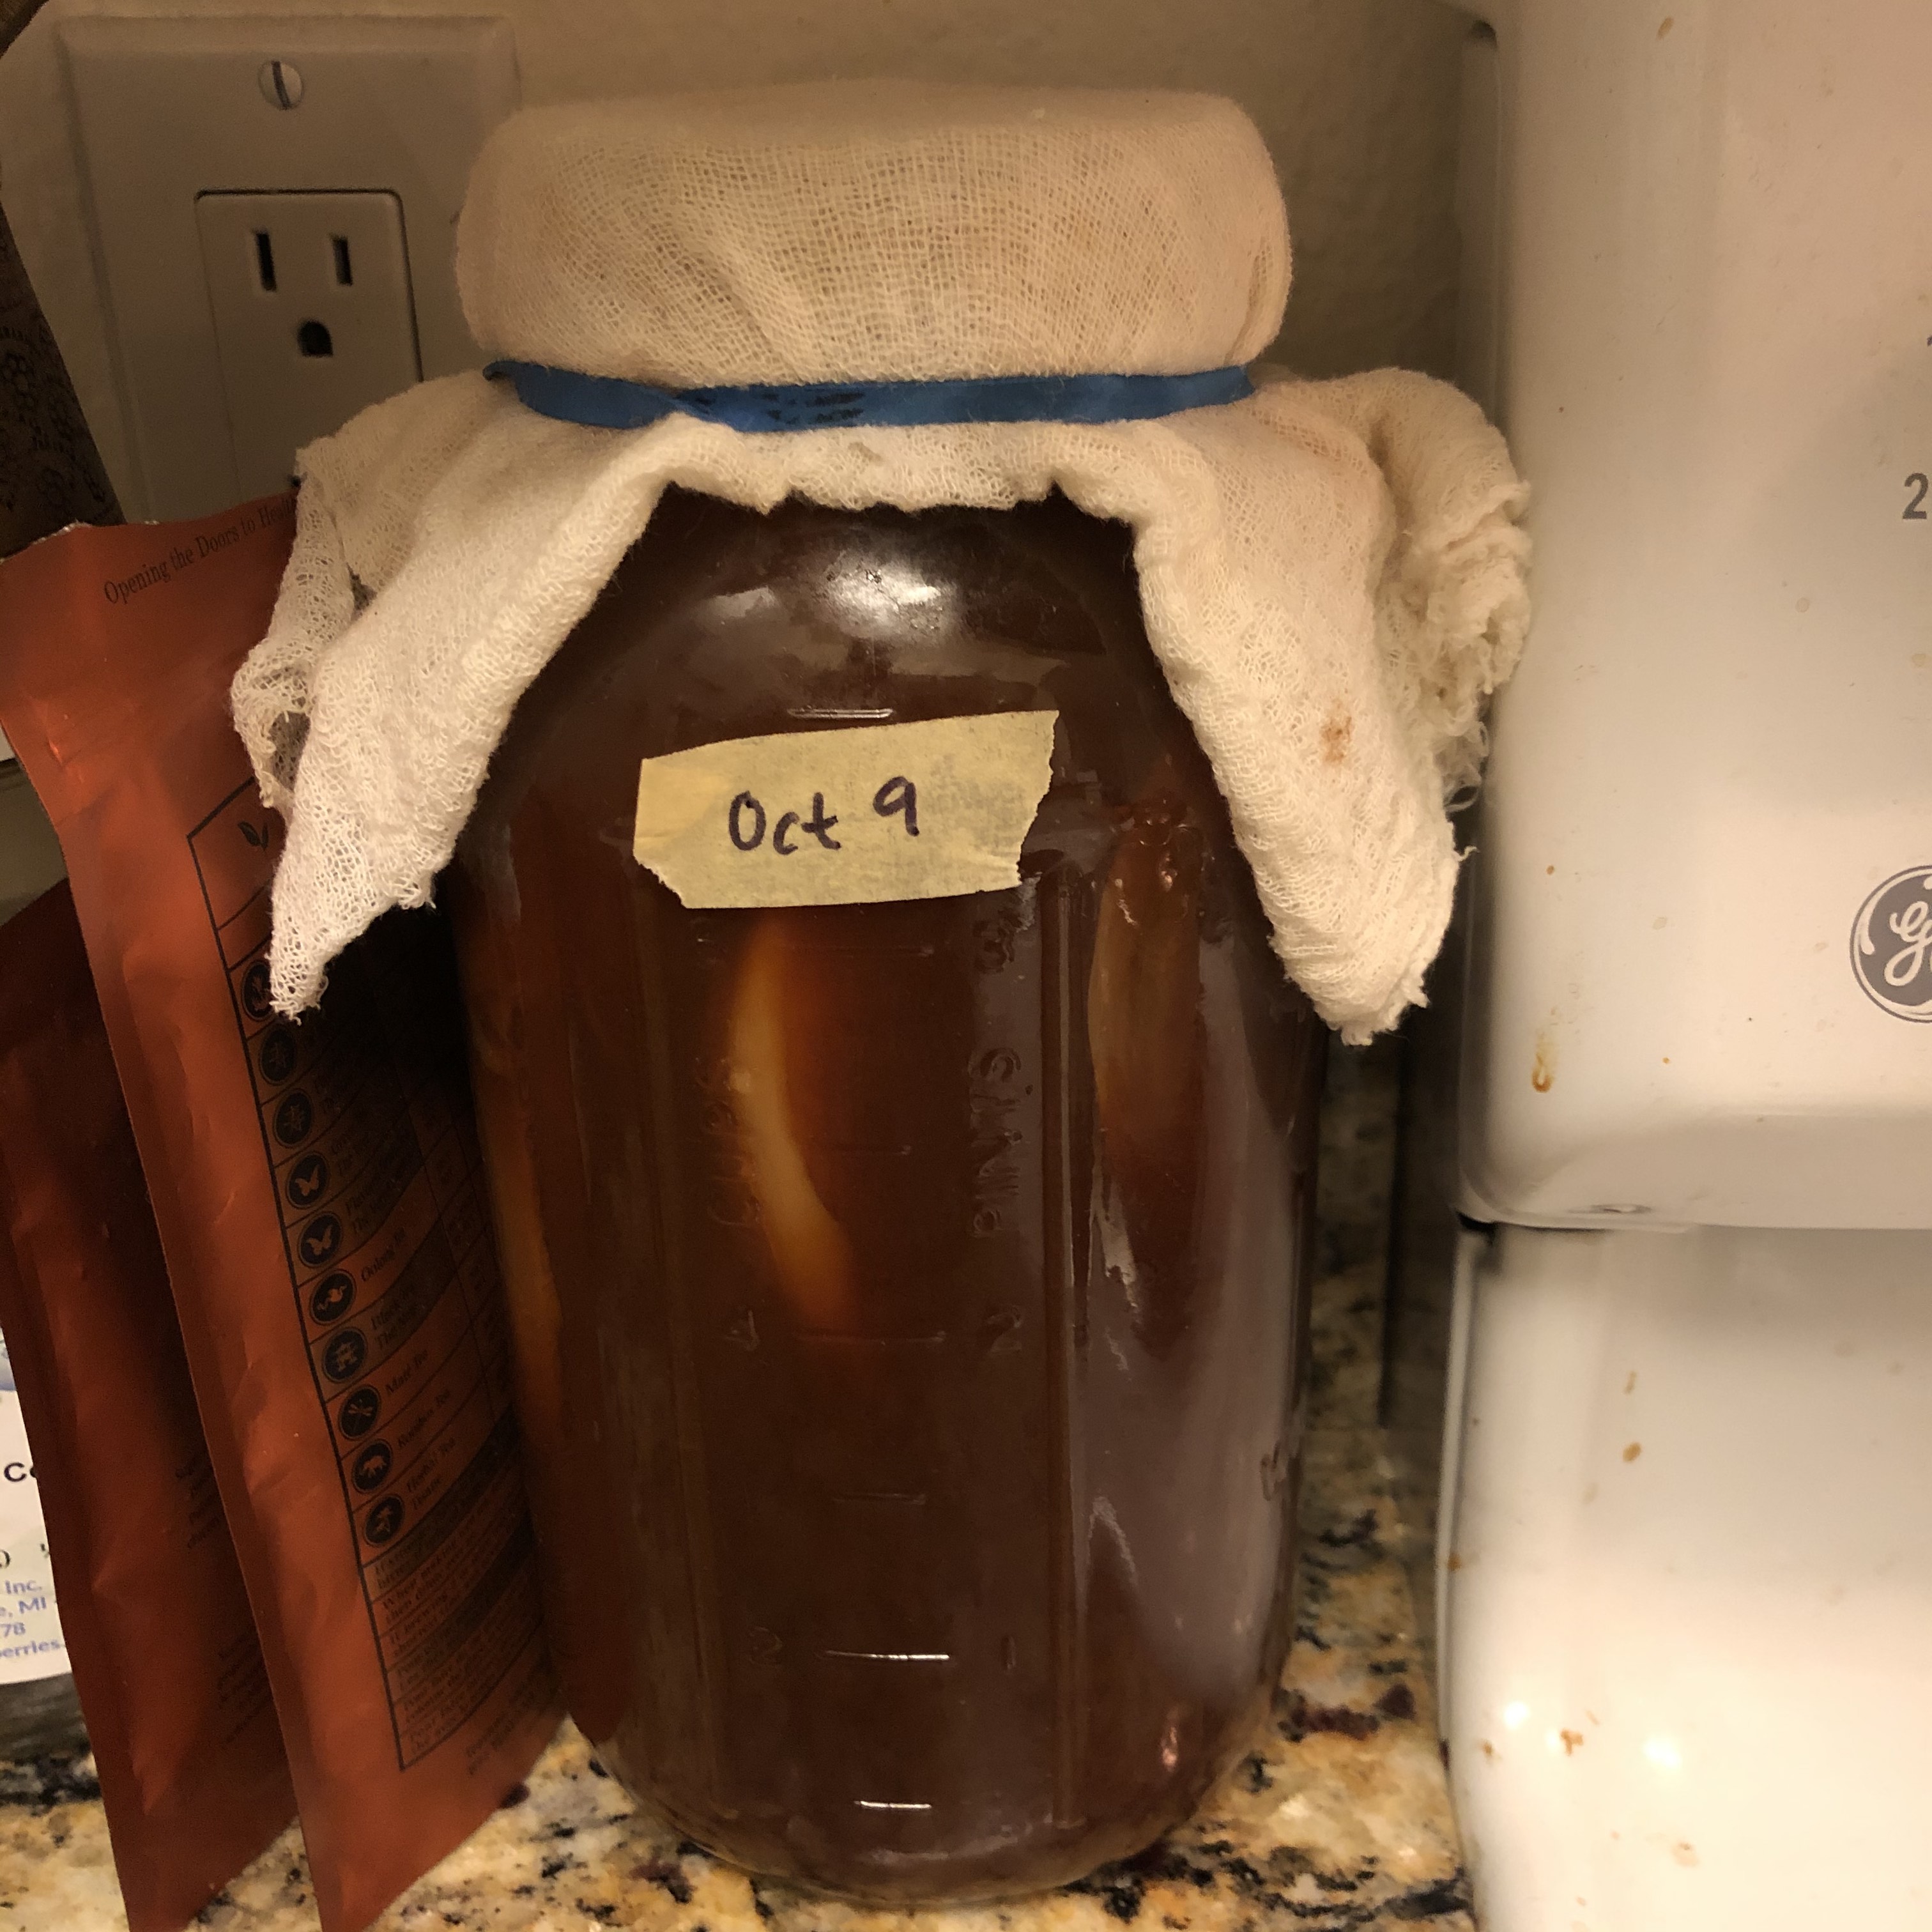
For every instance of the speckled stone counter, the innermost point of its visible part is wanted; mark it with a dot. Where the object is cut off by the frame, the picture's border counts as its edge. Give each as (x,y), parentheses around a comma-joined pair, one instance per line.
(1338,1817)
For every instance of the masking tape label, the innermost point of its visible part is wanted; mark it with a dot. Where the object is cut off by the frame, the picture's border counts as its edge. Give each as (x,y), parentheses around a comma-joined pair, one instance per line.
(846,817)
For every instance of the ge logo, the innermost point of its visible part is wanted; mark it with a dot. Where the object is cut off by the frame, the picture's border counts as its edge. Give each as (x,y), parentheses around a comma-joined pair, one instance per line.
(1891,945)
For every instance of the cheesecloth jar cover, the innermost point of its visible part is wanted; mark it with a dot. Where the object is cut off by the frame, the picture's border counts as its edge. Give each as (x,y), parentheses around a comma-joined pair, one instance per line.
(1331,573)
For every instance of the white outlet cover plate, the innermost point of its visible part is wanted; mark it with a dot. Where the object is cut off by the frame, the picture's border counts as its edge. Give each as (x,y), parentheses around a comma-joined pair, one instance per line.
(335,261)
(166,109)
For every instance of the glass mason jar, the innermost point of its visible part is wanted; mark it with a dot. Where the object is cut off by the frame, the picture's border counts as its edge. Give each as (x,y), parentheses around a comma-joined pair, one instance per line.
(910,1298)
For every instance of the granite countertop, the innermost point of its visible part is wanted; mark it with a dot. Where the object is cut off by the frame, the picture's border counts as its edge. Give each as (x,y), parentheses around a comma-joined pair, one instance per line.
(1338,1818)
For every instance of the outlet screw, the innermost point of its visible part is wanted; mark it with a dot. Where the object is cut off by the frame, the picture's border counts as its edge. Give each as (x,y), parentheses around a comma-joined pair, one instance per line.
(281,83)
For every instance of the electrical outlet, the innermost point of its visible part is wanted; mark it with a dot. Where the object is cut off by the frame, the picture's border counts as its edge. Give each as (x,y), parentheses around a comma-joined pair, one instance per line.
(196,133)
(312,320)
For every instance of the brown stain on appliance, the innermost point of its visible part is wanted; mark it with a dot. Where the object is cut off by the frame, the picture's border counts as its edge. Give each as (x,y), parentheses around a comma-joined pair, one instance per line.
(1543,1068)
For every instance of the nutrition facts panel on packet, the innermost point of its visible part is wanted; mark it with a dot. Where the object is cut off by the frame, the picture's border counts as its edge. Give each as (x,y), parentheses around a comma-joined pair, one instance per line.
(366,1129)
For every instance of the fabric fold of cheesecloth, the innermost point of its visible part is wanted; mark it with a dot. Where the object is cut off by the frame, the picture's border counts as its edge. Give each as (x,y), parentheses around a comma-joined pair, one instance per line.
(1332,573)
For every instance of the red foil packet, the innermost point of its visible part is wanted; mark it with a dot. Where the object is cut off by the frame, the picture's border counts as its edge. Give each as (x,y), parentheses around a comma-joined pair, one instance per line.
(321,1203)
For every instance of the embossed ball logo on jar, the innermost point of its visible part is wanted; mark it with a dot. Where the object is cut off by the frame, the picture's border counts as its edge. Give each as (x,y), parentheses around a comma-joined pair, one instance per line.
(1892,944)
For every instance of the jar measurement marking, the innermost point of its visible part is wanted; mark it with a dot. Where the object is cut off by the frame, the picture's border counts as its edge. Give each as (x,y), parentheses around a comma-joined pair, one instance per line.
(820,946)
(932,1341)
(891,1656)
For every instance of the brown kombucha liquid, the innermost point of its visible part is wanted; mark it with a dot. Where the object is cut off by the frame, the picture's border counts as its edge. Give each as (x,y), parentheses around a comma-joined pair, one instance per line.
(910,1298)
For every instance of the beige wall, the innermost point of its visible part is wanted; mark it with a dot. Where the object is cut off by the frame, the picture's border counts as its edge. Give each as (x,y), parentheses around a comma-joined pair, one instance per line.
(1357,99)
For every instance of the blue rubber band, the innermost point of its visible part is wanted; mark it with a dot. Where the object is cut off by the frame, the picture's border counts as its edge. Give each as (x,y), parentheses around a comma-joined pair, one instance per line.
(608,402)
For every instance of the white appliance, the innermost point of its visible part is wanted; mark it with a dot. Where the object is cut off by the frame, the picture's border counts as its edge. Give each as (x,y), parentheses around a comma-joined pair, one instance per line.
(1684,1546)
